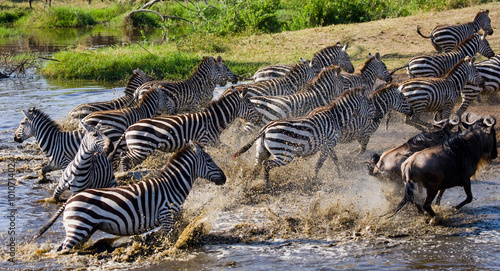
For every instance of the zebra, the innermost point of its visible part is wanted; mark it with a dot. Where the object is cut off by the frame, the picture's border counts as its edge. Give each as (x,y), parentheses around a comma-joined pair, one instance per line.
(115,122)
(136,208)
(331,55)
(170,133)
(293,81)
(447,37)
(438,94)
(195,92)
(321,91)
(490,71)
(383,100)
(58,146)
(90,168)
(439,65)
(319,131)
(373,68)
(138,78)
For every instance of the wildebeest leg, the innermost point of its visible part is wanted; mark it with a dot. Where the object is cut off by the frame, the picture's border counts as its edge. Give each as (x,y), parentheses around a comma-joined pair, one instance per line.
(431,194)
(417,123)
(468,192)
(439,196)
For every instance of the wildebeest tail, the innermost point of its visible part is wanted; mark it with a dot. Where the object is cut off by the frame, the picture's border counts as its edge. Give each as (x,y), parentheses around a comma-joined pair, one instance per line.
(408,197)
(49,223)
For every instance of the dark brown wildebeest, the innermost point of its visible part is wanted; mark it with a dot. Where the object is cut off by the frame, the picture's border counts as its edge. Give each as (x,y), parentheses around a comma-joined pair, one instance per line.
(450,164)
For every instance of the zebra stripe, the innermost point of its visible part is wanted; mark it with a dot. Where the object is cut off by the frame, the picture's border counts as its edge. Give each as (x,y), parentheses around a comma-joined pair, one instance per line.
(198,90)
(373,68)
(446,38)
(138,78)
(331,55)
(438,94)
(59,147)
(319,131)
(438,65)
(171,133)
(115,122)
(140,207)
(490,71)
(90,168)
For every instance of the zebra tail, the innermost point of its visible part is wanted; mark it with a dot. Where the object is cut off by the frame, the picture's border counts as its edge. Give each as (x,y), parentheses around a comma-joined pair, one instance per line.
(399,68)
(48,224)
(418,31)
(249,144)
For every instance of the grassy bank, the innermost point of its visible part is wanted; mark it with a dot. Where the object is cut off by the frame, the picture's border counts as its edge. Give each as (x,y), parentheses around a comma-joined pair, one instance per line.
(396,39)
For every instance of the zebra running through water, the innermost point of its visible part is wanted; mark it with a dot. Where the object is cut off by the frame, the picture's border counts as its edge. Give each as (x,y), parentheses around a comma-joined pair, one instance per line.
(490,71)
(447,37)
(319,131)
(136,208)
(331,55)
(195,92)
(438,94)
(90,168)
(321,91)
(115,122)
(373,69)
(170,133)
(440,64)
(59,147)
(138,78)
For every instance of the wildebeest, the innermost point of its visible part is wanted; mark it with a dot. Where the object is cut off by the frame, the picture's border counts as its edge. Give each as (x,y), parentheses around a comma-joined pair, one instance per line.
(450,164)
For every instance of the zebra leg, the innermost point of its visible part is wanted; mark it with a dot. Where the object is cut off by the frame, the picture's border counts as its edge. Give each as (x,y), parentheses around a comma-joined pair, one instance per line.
(43,173)
(76,233)
(417,123)
(167,221)
(261,154)
(270,164)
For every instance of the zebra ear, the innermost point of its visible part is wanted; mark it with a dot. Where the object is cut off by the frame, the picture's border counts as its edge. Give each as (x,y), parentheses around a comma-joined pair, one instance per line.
(377,55)
(219,59)
(99,125)
(243,92)
(85,126)
(338,43)
(24,113)
(338,70)
(345,47)
(303,60)
(194,147)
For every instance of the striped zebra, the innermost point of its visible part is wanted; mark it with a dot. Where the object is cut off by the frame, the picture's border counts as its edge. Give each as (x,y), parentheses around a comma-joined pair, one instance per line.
(321,91)
(439,65)
(138,78)
(319,131)
(373,68)
(59,147)
(171,133)
(90,168)
(331,55)
(490,71)
(447,37)
(383,100)
(195,92)
(438,94)
(136,208)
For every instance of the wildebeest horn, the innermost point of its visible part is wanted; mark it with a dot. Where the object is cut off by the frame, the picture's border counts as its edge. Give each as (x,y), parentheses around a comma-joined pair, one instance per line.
(489,120)
(439,123)
(454,119)
(469,118)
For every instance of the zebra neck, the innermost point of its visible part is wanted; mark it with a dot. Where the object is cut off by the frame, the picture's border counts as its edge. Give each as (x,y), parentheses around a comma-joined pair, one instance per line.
(381,105)
(221,115)
(84,155)
(178,178)
(149,105)
(458,78)
(469,48)
(46,134)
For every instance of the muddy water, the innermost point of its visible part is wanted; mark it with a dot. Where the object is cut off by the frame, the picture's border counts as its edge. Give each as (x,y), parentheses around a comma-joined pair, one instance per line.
(300,223)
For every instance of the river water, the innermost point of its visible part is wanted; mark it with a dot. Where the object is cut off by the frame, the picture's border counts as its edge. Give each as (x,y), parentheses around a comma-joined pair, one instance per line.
(333,222)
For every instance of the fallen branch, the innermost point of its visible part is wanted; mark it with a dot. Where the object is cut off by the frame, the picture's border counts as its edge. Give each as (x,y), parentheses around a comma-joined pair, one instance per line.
(149,4)
(163,17)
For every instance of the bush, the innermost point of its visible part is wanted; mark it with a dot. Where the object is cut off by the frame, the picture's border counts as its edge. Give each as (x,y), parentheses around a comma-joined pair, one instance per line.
(7,17)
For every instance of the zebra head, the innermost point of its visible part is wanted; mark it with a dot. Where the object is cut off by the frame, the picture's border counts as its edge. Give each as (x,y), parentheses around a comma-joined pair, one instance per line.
(94,140)
(205,166)
(226,72)
(483,21)
(363,106)
(399,102)
(379,67)
(484,47)
(215,73)
(161,102)
(34,122)
(246,109)
(332,55)
(471,72)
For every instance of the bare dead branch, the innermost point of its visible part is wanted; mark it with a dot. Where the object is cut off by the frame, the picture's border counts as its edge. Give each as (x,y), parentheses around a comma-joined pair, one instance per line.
(163,17)
(149,4)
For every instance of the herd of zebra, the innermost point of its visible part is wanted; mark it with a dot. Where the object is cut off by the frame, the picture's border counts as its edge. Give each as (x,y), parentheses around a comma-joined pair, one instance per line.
(290,111)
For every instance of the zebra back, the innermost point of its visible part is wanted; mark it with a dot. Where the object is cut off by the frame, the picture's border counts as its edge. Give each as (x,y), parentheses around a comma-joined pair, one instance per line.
(440,64)
(90,168)
(271,72)
(138,78)
(59,147)
(446,38)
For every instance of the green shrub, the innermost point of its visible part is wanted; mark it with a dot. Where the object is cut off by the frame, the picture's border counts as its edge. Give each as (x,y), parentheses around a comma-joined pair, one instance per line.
(8,16)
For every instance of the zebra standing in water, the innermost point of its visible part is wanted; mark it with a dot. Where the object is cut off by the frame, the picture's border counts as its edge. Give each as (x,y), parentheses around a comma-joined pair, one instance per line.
(439,65)
(59,147)
(447,37)
(374,68)
(321,91)
(138,78)
(115,122)
(171,133)
(90,168)
(438,94)
(140,207)
(319,131)
(331,55)
(191,94)
(490,71)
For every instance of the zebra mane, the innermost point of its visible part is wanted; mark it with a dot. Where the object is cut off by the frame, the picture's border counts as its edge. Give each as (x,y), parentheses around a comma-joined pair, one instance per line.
(481,12)
(455,66)
(346,96)
(228,92)
(181,152)
(379,91)
(320,77)
(471,37)
(368,61)
(136,80)
(333,48)
(204,60)
(39,114)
